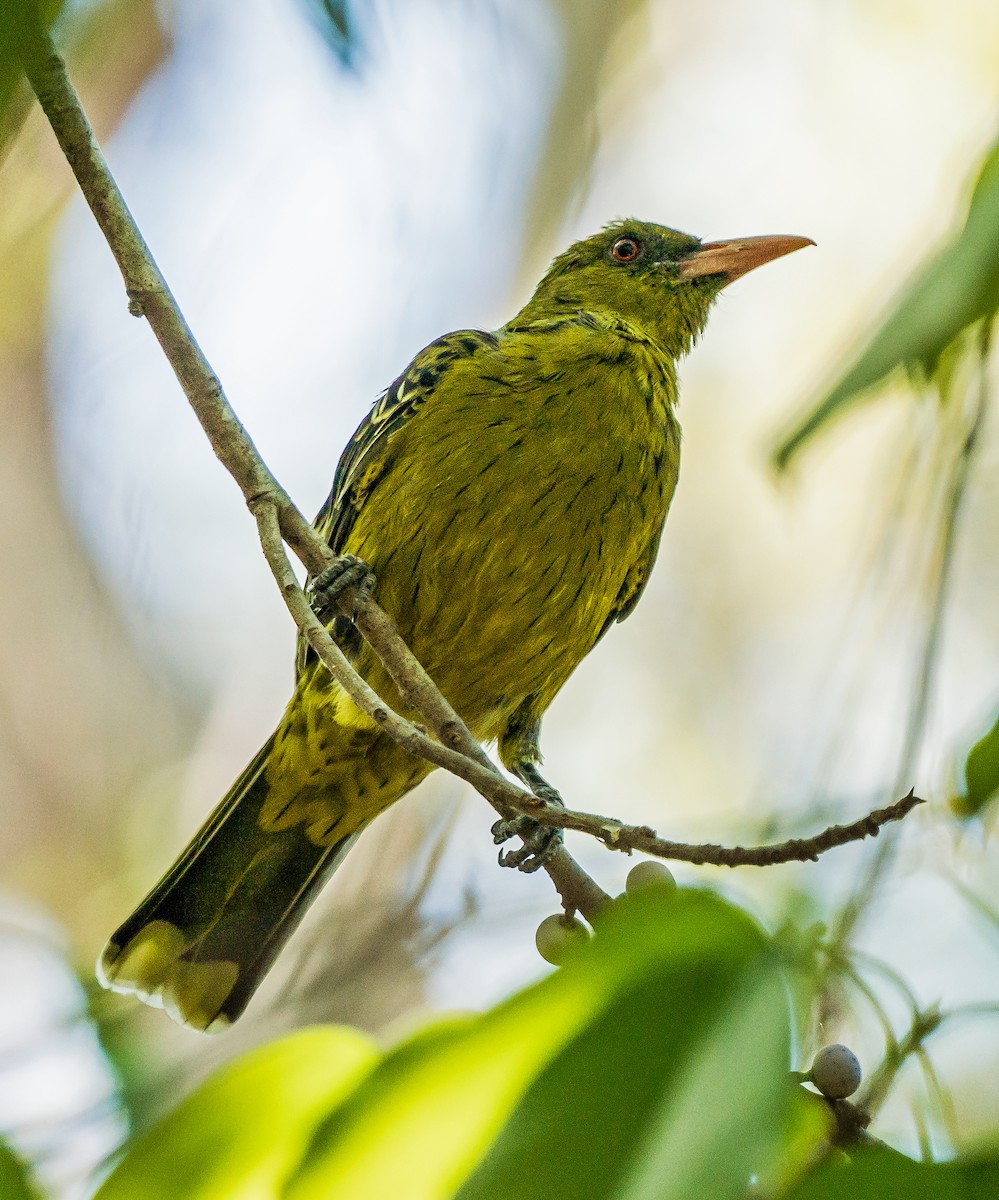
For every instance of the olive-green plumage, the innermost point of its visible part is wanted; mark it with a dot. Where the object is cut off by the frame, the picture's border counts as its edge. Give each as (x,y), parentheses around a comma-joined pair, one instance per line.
(508,491)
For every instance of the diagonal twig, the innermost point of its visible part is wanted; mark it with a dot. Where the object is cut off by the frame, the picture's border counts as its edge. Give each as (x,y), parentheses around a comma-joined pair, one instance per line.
(627,838)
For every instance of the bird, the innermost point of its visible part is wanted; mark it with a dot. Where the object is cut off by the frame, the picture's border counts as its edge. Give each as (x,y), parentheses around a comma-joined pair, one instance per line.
(508,493)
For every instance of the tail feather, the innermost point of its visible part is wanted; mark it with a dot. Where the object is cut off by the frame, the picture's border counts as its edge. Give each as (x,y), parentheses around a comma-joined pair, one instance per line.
(205,936)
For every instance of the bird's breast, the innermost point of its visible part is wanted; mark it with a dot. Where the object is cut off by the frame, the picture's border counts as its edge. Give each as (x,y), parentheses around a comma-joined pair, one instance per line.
(502,542)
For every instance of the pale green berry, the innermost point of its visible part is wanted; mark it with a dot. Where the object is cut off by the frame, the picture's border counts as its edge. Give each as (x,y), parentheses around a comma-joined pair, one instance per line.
(649,874)
(557,935)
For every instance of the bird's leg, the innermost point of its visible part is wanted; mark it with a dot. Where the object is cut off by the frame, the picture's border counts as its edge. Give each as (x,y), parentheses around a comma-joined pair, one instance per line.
(330,584)
(540,842)
(520,753)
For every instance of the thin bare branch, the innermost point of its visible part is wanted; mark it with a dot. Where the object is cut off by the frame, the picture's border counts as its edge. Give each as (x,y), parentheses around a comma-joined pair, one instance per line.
(148,294)
(627,838)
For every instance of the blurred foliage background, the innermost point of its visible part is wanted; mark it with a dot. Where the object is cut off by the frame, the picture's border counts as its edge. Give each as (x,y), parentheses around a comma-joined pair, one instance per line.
(327,187)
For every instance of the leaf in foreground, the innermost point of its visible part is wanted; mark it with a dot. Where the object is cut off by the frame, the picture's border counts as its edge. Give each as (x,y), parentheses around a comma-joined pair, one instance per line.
(881,1174)
(653,1064)
(672,1017)
(241,1133)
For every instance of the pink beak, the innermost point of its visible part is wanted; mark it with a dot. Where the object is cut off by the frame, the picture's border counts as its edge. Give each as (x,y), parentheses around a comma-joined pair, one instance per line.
(739,255)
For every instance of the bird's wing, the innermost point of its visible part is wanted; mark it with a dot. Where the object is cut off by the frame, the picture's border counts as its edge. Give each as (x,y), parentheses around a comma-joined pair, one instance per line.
(634,583)
(367,456)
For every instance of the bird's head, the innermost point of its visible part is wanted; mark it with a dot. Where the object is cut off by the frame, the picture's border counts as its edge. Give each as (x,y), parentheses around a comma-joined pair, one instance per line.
(660,281)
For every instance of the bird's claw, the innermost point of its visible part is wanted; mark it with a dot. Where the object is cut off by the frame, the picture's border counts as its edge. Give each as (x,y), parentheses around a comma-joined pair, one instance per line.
(329,585)
(541,843)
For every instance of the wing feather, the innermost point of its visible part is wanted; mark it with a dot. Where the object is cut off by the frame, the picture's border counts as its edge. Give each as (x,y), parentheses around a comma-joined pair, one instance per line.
(368,456)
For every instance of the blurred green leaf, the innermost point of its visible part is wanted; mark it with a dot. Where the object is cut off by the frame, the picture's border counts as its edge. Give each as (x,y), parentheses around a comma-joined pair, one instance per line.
(653,1064)
(981,774)
(15,1182)
(688,1057)
(806,1141)
(879,1173)
(241,1133)
(956,290)
(674,1010)
(734,1095)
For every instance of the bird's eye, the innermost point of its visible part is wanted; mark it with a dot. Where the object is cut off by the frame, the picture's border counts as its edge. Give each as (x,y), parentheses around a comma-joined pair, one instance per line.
(625,250)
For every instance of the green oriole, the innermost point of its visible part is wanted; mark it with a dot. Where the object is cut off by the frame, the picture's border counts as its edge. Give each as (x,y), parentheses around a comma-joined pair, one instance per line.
(508,491)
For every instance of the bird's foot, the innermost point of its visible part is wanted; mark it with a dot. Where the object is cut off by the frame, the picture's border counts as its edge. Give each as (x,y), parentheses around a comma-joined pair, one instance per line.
(329,585)
(541,843)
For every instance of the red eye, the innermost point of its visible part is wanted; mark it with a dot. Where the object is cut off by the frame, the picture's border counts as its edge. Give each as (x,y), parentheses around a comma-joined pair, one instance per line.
(625,250)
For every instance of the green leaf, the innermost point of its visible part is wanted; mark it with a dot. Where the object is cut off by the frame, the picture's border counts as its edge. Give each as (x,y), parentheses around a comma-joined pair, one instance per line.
(733,1095)
(15,1181)
(981,774)
(690,1058)
(674,1014)
(242,1132)
(957,289)
(652,1064)
(879,1173)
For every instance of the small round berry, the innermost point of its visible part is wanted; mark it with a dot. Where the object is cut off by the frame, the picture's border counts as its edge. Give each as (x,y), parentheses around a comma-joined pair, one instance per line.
(650,874)
(557,935)
(836,1072)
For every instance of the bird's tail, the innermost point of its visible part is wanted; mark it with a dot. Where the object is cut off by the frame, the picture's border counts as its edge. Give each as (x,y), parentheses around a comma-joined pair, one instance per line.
(202,940)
